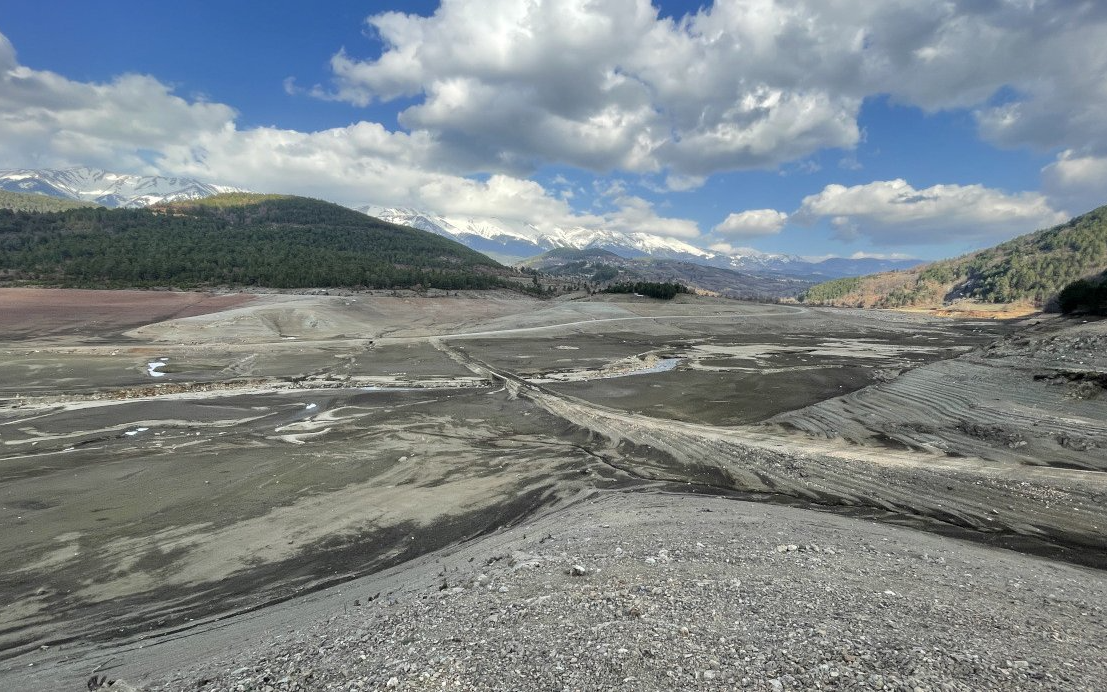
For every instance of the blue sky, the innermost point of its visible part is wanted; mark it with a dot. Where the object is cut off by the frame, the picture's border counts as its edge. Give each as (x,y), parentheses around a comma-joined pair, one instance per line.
(810,127)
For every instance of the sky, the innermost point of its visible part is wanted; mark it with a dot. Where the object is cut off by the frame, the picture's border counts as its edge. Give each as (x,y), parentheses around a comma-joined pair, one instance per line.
(900,128)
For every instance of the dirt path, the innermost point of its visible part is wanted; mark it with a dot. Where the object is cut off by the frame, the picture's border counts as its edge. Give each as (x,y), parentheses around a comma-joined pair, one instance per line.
(1063,508)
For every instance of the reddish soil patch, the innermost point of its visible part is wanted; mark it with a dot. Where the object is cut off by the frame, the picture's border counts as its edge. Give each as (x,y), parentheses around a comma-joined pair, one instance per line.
(28,313)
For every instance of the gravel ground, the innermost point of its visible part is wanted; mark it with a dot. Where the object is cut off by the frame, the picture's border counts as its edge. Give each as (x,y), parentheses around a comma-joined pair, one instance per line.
(655,592)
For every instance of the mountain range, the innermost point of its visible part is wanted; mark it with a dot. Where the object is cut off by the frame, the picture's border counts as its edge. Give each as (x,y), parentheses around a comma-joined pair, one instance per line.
(598,267)
(233,240)
(107,189)
(512,241)
(505,240)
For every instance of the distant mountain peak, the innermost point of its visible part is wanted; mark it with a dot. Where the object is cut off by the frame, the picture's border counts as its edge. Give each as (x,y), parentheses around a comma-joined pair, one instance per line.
(522,240)
(505,239)
(98,186)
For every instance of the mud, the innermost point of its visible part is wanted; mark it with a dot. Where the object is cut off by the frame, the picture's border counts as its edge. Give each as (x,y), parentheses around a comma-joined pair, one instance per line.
(294,441)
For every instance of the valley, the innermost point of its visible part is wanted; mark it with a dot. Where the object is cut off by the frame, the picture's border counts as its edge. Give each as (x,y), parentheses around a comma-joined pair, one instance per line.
(175,462)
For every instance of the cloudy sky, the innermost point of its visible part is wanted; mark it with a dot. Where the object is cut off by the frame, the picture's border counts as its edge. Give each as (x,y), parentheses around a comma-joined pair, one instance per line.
(917,128)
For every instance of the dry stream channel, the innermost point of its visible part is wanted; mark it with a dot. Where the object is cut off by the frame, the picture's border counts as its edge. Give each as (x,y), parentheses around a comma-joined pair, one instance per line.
(169,465)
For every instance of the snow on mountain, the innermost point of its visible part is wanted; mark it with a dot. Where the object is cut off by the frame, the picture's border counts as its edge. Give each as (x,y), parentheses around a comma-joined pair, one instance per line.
(531,240)
(528,240)
(109,189)
(519,240)
(505,239)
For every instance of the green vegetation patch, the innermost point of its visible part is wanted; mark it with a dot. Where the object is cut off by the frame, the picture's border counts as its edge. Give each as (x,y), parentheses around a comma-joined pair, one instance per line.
(1084,296)
(1030,268)
(272,241)
(225,200)
(20,201)
(664,291)
(830,291)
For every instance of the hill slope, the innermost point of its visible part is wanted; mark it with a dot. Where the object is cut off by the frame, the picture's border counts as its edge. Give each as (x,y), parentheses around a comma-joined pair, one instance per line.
(599,267)
(19,201)
(1085,296)
(509,240)
(237,239)
(1030,268)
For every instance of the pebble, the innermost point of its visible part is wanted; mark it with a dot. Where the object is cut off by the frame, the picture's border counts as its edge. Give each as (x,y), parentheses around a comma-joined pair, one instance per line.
(731,615)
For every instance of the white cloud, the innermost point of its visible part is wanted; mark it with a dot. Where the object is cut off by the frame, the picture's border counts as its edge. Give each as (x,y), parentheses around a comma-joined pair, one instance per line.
(636,215)
(683,183)
(499,87)
(881,255)
(609,85)
(602,85)
(752,223)
(1076,181)
(136,124)
(860,255)
(48,120)
(728,249)
(894,213)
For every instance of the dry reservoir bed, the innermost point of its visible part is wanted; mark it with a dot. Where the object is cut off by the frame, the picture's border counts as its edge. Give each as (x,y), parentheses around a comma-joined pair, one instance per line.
(160,475)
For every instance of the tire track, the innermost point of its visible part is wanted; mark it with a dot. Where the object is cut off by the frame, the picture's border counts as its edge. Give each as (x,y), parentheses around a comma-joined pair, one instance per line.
(1062,507)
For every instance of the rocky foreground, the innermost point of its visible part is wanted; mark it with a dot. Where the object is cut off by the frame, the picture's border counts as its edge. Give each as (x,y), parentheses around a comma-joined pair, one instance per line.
(647,591)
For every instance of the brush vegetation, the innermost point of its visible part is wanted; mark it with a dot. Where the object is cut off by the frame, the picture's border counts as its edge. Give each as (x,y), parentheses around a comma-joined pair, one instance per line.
(1032,268)
(1084,296)
(21,201)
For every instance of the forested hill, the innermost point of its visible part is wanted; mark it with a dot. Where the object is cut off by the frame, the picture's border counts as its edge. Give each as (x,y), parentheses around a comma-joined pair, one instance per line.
(1031,268)
(20,201)
(233,240)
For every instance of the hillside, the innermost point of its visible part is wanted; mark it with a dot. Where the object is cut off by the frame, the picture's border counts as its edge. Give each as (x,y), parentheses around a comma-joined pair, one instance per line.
(599,268)
(1031,268)
(233,240)
(19,201)
(509,241)
(1088,296)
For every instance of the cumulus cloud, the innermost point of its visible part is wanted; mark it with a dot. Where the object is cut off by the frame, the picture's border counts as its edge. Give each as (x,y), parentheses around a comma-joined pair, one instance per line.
(1076,181)
(609,84)
(728,249)
(881,255)
(49,120)
(892,212)
(636,215)
(501,87)
(137,124)
(752,223)
(601,85)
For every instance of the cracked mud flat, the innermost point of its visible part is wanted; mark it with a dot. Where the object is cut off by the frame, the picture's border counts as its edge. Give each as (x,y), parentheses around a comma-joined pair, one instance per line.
(297,442)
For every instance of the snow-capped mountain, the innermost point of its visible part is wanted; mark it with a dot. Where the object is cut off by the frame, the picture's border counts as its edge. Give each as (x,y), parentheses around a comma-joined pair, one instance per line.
(516,240)
(526,240)
(506,240)
(108,189)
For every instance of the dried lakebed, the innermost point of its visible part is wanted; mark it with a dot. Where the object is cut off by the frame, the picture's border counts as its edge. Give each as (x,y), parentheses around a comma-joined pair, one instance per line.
(297,442)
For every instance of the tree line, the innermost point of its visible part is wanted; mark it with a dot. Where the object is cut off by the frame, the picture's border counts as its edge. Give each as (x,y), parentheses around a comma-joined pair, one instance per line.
(1086,296)
(278,242)
(1033,268)
(664,291)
